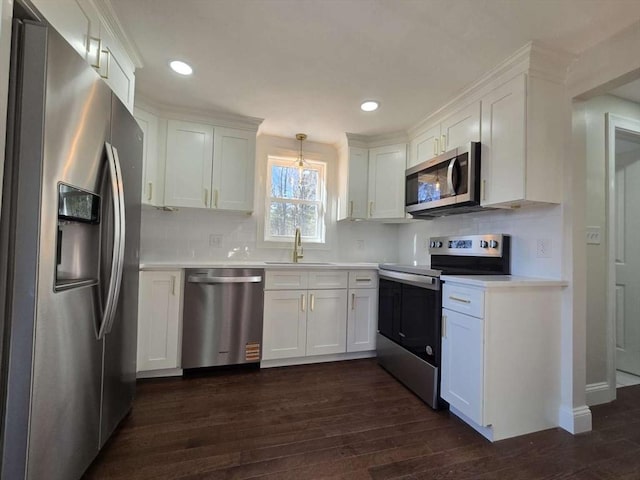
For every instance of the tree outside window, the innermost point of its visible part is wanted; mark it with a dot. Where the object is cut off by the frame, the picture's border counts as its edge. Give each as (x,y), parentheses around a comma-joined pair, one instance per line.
(295,198)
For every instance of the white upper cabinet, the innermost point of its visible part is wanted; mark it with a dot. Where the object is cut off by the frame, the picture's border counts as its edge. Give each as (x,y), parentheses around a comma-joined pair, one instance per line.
(234,157)
(82,25)
(456,130)
(522,143)
(209,167)
(386,181)
(358,182)
(151,191)
(188,165)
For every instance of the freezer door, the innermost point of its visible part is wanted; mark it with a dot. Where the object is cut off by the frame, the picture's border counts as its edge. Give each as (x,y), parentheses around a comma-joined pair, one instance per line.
(121,338)
(66,392)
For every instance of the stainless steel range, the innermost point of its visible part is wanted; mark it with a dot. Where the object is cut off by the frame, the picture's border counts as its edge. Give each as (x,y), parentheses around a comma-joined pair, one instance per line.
(410,303)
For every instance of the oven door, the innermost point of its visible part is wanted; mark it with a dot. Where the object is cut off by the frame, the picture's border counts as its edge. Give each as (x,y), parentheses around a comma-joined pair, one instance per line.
(409,312)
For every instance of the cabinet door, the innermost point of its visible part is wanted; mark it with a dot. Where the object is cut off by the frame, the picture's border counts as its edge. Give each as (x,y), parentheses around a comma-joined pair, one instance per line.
(70,20)
(425,146)
(462,375)
(159,320)
(149,125)
(327,322)
(387,167)
(461,127)
(116,68)
(362,319)
(189,163)
(234,155)
(503,143)
(284,333)
(358,179)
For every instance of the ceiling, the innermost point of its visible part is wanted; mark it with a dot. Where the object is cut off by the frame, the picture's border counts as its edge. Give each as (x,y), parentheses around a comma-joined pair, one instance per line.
(306,65)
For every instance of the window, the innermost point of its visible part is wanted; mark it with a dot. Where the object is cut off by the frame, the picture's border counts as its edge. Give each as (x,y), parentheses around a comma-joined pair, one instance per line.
(295,198)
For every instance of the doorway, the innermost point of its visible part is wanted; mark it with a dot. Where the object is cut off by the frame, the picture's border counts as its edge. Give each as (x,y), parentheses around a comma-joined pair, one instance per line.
(626,249)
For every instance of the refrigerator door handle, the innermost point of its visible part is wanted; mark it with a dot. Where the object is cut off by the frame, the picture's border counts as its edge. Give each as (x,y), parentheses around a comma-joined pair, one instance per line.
(121,249)
(115,259)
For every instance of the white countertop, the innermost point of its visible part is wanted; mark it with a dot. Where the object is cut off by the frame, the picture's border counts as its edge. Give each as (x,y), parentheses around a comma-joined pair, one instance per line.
(489,281)
(274,265)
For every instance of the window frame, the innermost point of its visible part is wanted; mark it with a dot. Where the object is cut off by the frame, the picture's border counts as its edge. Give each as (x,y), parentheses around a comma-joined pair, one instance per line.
(321,203)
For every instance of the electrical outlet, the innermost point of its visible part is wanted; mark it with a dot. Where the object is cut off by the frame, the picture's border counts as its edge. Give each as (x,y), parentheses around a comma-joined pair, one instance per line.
(360,244)
(593,235)
(215,240)
(543,248)
(425,244)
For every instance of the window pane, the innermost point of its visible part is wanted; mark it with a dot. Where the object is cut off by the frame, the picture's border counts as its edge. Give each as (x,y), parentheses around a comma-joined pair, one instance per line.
(287,183)
(285,217)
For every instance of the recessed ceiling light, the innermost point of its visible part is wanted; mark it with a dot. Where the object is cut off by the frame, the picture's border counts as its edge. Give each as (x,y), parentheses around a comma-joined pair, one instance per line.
(181,67)
(369,106)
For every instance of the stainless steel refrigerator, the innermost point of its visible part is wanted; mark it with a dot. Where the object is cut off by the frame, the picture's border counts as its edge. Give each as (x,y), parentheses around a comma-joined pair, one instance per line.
(69,243)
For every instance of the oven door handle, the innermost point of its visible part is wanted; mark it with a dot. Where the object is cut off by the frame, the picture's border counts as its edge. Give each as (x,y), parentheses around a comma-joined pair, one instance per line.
(452,165)
(421,281)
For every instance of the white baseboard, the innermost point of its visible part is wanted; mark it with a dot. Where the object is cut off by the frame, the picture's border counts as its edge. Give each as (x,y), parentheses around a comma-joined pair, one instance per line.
(576,420)
(165,372)
(598,393)
(287,362)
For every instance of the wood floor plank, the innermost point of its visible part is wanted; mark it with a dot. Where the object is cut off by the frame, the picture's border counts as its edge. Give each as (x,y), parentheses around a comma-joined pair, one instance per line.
(344,420)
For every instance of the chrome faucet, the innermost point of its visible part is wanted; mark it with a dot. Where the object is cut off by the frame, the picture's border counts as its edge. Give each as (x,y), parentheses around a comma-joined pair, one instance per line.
(297,246)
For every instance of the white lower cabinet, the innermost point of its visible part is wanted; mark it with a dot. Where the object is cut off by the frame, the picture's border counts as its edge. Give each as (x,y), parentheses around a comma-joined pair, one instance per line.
(159,320)
(284,331)
(462,363)
(500,366)
(321,316)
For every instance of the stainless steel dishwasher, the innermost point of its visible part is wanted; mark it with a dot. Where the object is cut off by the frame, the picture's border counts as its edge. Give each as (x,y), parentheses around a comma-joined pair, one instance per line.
(222,318)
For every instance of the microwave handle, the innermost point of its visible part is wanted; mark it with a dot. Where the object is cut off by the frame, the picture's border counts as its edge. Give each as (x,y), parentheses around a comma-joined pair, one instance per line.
(452,165)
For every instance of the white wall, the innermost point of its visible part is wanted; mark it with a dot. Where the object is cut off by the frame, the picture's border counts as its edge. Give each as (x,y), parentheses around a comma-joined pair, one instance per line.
(526,227)
(184,235)
(596,216)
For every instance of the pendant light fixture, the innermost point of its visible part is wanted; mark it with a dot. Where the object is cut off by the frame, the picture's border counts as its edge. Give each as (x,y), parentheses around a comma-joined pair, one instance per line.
(301,137)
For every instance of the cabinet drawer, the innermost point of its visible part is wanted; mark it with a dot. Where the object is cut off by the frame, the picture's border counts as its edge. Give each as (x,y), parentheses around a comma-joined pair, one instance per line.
(363,279)
(328,279)
(286,280)
(463,299)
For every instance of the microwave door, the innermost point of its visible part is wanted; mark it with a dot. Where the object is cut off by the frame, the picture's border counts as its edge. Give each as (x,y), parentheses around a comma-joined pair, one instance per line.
(430,188)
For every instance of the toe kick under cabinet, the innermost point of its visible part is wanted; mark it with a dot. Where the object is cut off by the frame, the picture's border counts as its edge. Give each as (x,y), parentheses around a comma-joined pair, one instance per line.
(318,315)
(501,355)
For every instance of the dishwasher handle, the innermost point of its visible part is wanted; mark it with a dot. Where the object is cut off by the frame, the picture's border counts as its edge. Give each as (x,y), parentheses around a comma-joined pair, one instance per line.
(216,280)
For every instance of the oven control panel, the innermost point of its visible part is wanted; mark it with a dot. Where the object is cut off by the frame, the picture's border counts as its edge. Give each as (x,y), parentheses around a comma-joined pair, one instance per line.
(469,245)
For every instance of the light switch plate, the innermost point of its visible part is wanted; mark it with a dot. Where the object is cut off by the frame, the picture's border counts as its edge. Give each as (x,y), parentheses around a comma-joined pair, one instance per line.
(215,240)
(593,236)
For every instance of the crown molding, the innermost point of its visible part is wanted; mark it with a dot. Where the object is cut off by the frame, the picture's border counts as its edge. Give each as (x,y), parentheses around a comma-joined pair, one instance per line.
(533,58)
(111,21)
(372,141)
(174,112)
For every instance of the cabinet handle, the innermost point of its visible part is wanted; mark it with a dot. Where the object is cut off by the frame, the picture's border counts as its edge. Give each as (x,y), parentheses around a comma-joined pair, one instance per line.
(312,301)
(443,147)
(353,301)
(458,299)
(363,279)
(444,326)
(435,147)
(303,302)
(173,285)
(108,52)
(484,189)
(215,198)
(370,209)
(98,52)
(206,197)
(150,191)
(351,208)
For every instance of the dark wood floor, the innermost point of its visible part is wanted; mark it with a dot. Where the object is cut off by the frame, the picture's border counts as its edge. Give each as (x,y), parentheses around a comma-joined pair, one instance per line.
(347,420)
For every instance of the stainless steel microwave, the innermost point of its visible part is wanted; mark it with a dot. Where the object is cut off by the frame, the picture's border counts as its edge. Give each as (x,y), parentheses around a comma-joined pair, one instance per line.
(446,184)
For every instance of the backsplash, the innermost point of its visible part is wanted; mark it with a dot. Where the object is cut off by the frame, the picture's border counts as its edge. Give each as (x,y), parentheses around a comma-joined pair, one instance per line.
(526,227)
(203,235)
